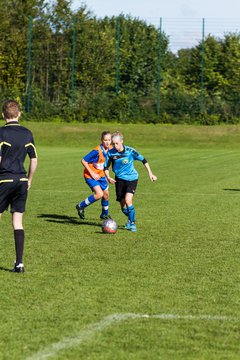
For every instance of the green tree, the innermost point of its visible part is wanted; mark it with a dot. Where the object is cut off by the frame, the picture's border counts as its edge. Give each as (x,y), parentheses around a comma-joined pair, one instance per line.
(14,20)
(230,67)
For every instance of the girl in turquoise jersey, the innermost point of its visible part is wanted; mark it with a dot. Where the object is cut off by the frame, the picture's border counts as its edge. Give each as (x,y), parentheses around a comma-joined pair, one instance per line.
(122,159)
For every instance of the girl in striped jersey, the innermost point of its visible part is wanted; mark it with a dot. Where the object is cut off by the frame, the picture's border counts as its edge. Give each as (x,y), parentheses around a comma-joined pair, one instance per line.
(95,178)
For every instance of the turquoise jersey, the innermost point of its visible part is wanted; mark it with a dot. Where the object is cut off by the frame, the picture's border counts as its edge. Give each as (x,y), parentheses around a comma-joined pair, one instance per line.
(122,163)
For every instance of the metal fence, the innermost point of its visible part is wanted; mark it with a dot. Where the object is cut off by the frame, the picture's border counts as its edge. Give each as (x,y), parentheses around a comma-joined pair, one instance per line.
(181,34)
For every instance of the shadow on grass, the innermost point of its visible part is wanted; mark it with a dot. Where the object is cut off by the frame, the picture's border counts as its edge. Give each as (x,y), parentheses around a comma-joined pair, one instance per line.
(5,269)
(64,219)
(231,189)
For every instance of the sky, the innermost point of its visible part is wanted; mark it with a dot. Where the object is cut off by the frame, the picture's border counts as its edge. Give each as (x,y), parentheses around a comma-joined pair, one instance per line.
(164,8)
(181,19)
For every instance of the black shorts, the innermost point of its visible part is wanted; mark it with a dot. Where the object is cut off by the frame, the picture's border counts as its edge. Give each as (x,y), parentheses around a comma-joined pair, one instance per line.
(125,186)
(14,194)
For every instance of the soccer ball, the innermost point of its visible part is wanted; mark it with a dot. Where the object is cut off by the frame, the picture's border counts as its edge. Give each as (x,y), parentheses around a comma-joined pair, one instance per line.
(109,226)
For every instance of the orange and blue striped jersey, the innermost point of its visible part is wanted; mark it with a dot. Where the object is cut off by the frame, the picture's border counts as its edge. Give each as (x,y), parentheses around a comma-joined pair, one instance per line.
(95,160)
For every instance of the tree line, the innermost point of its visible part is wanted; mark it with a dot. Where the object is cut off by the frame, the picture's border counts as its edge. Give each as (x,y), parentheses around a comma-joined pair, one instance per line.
(72,66)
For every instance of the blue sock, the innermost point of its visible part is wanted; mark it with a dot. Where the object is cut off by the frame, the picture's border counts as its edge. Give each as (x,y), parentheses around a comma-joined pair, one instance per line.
(125,211)
(105,206)
(131,213)
(88,201)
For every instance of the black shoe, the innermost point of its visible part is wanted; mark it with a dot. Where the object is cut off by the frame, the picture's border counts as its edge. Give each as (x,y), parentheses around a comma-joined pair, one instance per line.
(80,211)
(18,268)
(105,217)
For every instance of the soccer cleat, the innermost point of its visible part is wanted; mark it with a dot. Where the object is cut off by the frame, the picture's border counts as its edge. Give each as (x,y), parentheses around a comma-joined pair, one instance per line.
(133,227)
(80,211)
(128,225)
(105,217)
(18,268)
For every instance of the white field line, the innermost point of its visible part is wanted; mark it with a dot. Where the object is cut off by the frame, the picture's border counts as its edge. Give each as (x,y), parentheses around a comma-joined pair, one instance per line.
(89,331)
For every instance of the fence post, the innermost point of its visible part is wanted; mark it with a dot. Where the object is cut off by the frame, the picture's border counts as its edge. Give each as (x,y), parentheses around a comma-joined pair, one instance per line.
(29,64)
(159,68)
(117,52)
(72,90)
(202,102)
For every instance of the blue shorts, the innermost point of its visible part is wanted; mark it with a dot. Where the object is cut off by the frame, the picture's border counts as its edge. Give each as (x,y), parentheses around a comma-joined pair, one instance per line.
(102,182)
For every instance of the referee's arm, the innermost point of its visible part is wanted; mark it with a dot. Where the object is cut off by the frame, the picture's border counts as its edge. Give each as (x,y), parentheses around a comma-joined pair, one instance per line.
(0,148)
(32,168)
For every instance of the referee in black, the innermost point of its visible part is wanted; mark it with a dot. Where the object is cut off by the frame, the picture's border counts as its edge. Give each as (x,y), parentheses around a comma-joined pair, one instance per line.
(15,143)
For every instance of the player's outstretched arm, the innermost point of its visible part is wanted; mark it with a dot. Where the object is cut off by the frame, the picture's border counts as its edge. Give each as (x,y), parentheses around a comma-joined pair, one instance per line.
(32,168)
(151,175)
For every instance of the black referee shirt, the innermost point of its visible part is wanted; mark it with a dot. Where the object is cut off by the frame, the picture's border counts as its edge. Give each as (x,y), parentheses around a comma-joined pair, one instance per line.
(16,142)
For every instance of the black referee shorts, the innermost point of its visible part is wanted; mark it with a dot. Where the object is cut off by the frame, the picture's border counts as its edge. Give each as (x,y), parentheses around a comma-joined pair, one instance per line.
(123,187)
(14,194)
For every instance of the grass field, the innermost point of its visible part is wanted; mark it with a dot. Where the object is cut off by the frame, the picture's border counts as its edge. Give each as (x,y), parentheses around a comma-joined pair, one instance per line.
(170,291)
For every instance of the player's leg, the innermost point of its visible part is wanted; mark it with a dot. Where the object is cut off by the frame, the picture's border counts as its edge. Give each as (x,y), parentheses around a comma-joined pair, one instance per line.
(124,207)
(125,190)
(105,205)
(125,199)
(19,236)
(131,225)
(131,188)
(18,203)
(105,199)
(98,193)
(120,187)
(126,213)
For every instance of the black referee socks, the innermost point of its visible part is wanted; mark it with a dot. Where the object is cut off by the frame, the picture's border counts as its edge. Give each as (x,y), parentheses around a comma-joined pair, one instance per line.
(19,245)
